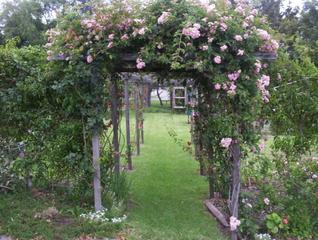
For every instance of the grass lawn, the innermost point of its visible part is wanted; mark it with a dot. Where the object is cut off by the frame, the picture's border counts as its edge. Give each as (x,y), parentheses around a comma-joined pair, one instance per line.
(167,196)
(167,191)
(17,218)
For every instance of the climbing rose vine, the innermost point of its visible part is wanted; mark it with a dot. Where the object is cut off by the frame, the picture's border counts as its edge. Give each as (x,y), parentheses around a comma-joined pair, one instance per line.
(214,44)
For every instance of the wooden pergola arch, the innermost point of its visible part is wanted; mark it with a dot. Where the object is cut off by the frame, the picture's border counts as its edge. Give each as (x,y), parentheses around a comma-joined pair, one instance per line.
(128,66)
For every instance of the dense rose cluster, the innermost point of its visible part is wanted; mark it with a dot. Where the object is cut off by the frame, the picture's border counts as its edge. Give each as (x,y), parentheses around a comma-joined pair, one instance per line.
(264,35)
(101,28)
(234,76)
(192,32)
(270,46)
(262,83)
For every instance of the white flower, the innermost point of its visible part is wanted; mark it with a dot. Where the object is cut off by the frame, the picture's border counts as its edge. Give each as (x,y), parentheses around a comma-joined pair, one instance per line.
(263,236)
(234,223)
(314,176)
(100,216)
(240,52)
(142,31)
(205,47)
(266,201)
(197,25)
(226,142)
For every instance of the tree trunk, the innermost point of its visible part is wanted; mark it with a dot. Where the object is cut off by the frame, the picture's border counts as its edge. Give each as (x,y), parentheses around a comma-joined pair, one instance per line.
(137,121)
(236,183)
(128,144)
(96,166)
(115,122)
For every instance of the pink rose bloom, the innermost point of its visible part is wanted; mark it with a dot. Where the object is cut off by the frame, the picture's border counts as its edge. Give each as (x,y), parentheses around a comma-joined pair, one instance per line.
(239,9)
(217,86)
(193,32)
(240,52)
(238,38)
(140,63)
(110,45)
(164,17)
(226,142)
(263,34)
(217,60)
(142,31)
(261,146)
(250,18)
(234,76)
(254,12)
(89,58)
(223,26)
(124,37)
(223,48)
(270,46)
(266,98)
(265,80)
(258,66)
(245,25)
(111,36)
(232,89)
(262,83)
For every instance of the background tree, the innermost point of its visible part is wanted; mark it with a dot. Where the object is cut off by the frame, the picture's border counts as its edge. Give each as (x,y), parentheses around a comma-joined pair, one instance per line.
(29,19)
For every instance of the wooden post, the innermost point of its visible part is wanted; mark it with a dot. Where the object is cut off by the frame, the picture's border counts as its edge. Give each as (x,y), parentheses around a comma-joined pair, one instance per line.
(96,166)
(200,143)
(149,88)
(128,144)
(141,115)
(236,183)
(137,120)
(115,122)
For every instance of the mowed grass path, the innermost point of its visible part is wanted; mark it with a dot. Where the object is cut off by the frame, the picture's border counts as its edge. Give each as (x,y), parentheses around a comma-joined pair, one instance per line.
(167,191)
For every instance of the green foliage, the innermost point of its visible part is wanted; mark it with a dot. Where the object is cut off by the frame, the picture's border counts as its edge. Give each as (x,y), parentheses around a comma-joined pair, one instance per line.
(274,223)
(293,108)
